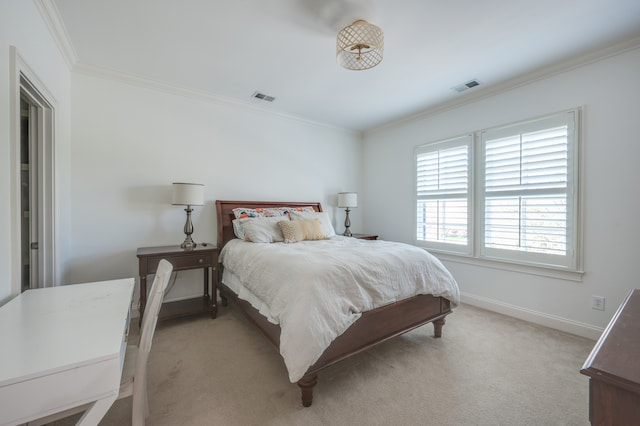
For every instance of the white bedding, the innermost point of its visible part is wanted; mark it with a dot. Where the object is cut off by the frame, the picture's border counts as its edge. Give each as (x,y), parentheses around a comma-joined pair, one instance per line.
(316,289)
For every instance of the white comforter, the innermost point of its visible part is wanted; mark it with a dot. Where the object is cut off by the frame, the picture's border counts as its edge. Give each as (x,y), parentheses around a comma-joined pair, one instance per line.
(316,289)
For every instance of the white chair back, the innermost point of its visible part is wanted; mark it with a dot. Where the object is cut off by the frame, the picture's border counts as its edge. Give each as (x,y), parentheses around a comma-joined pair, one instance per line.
(150,318)
(154,302)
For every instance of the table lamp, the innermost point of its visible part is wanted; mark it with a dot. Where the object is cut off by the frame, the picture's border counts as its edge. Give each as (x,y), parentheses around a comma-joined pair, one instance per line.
(347,200)
(187,194)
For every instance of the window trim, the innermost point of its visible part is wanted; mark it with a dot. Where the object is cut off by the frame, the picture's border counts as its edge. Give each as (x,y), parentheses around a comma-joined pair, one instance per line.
(572,268)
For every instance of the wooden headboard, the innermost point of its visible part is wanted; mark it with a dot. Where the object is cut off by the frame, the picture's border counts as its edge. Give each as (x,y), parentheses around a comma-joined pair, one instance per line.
(224,211)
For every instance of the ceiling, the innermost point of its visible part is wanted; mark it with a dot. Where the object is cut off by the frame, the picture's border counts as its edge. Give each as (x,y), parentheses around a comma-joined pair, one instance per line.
(286,48)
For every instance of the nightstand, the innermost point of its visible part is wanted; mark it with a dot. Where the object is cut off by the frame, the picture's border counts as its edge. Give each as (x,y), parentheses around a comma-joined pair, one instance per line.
(203,256)
(365,236)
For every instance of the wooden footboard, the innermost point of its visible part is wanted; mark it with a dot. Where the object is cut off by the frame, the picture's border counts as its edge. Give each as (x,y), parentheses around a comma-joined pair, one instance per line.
(372,328)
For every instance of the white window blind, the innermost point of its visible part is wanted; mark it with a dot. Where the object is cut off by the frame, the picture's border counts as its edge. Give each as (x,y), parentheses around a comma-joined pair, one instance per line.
(512,198)
(527,192)
(443,194)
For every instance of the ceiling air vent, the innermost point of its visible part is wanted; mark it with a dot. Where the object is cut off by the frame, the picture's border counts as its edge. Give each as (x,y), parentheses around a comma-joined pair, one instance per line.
(464,86)
(263,97)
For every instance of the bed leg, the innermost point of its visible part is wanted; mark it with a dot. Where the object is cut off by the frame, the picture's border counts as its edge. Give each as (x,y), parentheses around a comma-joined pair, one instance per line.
(437,327)
(306,386)
(224,299)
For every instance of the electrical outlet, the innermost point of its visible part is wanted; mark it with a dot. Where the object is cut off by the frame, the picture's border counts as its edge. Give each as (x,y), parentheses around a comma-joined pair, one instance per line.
(597,302)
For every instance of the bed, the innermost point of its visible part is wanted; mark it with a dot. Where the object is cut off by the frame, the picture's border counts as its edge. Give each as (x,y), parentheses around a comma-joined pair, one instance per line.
(369,329)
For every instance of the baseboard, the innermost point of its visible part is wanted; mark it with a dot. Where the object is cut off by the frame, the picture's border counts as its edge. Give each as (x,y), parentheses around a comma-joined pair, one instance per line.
(540,318)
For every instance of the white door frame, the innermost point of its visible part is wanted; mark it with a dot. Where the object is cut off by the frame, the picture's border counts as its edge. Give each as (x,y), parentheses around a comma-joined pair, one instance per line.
(24,80)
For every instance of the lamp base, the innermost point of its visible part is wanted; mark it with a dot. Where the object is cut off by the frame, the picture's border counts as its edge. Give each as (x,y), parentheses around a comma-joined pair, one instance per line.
(347,224)
(188,243)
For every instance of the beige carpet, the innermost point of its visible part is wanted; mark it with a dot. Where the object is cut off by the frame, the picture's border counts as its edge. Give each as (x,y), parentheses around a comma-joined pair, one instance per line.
(487,369)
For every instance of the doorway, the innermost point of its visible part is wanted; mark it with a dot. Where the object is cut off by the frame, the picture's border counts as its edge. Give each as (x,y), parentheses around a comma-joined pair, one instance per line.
(33,180)
(28,194)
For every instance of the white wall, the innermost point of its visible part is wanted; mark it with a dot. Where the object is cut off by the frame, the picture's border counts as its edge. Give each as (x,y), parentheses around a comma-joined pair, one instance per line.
(609,91)
(21,26)
(130,143)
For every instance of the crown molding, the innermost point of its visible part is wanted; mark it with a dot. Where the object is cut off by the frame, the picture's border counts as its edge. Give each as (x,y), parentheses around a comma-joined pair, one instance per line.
(523,80)
(144,82)
(52,18)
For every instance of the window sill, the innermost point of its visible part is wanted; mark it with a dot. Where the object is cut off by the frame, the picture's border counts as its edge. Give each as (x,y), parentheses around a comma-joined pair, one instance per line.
(525,269)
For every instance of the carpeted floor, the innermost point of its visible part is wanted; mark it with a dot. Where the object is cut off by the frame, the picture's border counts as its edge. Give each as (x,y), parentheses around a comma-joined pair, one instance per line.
(487,369)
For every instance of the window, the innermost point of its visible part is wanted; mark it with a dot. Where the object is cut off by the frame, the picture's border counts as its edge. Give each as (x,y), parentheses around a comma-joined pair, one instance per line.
(444,193)
(525,197)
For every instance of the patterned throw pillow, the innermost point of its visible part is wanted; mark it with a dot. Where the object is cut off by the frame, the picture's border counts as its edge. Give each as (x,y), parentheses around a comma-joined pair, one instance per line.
(289,210)
(243,212)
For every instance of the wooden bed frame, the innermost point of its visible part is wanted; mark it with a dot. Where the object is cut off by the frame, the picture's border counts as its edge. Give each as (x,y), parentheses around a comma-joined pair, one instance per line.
(373,327)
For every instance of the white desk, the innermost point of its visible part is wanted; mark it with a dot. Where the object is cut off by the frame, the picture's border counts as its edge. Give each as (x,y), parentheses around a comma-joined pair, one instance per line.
(62,347)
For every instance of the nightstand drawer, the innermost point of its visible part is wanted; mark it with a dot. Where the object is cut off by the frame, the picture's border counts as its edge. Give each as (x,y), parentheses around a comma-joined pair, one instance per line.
(181,262)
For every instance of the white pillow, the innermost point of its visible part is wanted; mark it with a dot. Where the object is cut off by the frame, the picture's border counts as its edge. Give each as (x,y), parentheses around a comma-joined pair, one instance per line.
(262,229)
(238,230)
(327,227)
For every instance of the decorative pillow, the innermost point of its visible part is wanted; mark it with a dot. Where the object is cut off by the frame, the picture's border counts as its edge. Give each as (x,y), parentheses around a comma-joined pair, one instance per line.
(242,212)
(238,230)
(300,230)
(263,229)
(327,227)
(299,209)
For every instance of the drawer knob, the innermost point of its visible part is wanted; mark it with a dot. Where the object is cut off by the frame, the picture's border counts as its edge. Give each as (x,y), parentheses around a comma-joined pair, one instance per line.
(200,260)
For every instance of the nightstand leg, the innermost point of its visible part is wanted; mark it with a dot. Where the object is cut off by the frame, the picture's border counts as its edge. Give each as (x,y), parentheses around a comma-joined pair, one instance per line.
(214,293)
(214,307)
(206,282)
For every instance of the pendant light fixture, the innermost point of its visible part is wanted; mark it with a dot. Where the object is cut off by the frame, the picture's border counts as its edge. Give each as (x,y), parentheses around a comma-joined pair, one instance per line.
(360,46)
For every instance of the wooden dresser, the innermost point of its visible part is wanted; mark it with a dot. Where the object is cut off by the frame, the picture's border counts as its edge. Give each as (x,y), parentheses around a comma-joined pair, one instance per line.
(614,368)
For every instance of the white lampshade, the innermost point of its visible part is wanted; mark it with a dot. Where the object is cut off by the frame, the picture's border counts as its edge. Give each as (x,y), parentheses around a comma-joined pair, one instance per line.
(347,199)
(187,194)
